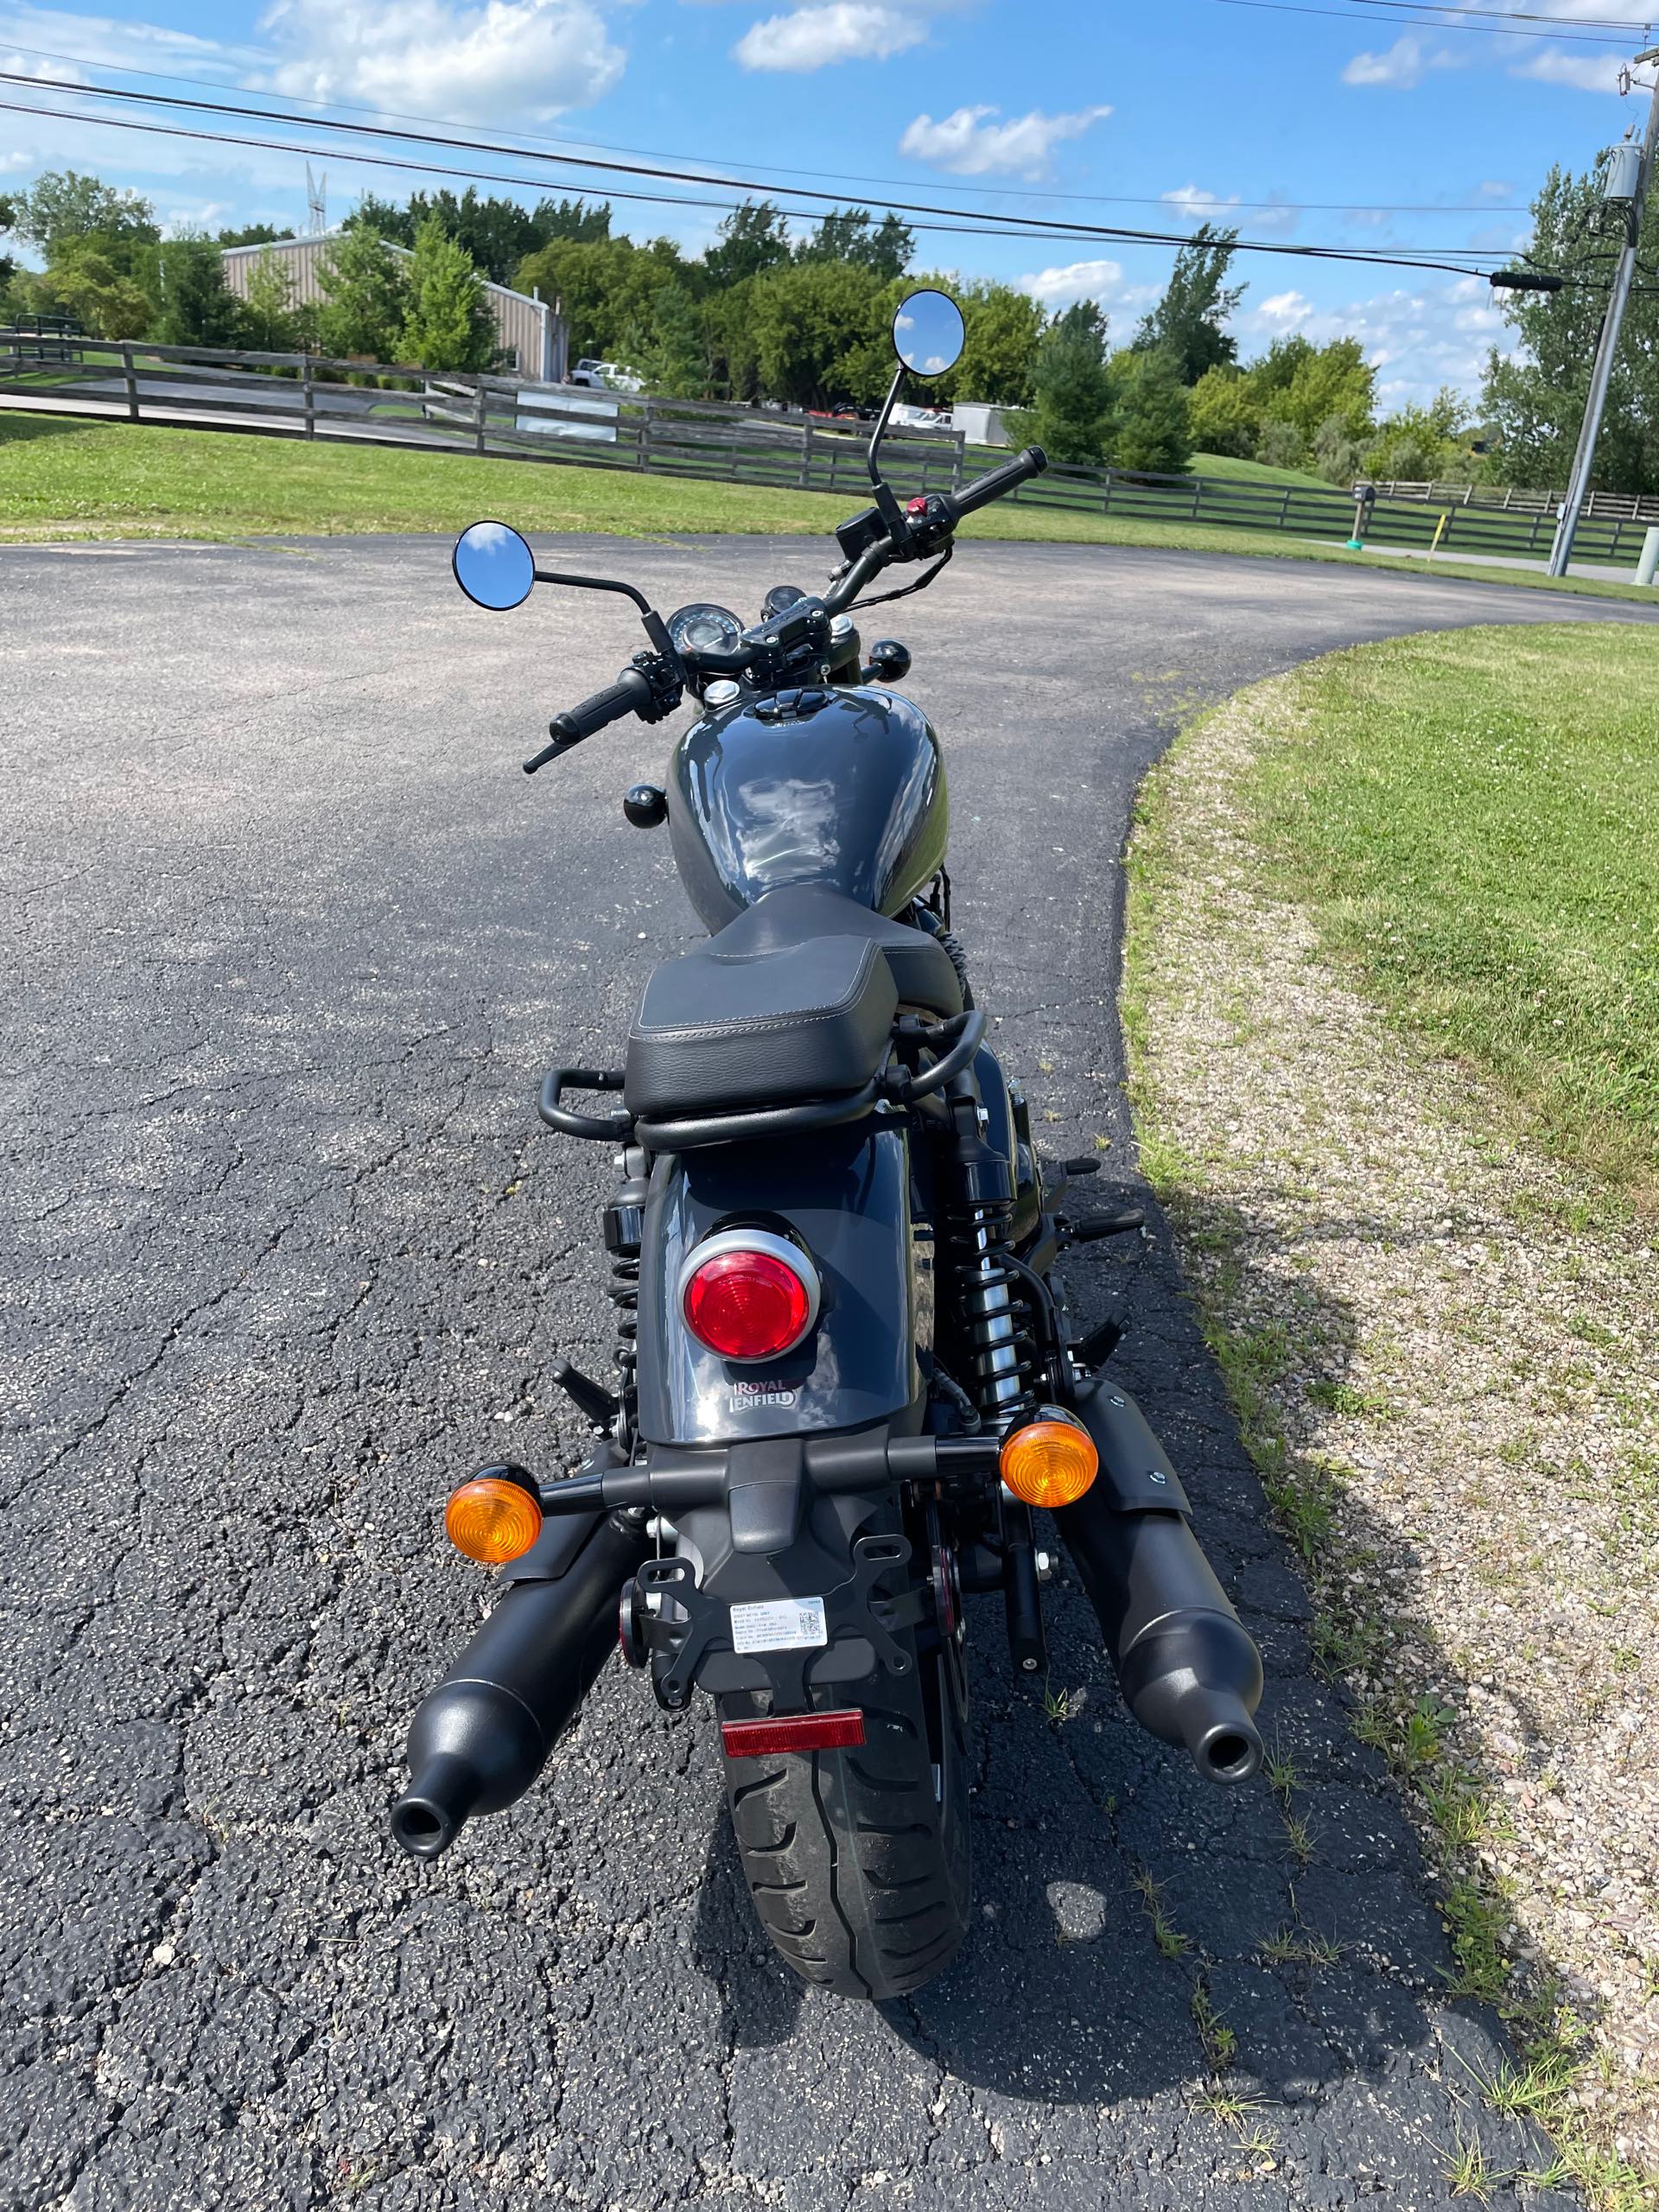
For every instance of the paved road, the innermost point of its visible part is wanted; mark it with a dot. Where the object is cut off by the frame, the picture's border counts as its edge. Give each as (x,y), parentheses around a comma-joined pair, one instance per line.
(291,941)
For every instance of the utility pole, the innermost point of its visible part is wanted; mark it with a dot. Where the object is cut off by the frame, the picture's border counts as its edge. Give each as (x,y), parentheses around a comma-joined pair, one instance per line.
(1585,459)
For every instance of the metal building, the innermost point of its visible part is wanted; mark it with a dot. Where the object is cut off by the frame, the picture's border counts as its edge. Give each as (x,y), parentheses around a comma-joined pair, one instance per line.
(527,330)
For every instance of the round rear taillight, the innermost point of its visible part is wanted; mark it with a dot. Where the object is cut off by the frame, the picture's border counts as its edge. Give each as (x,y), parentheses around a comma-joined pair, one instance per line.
(749,1296)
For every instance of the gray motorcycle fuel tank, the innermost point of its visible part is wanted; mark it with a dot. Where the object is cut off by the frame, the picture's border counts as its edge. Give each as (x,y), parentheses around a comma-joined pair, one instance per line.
(825,786)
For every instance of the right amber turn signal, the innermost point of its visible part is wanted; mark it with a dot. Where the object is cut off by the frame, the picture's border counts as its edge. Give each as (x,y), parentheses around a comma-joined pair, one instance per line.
(1050,1463)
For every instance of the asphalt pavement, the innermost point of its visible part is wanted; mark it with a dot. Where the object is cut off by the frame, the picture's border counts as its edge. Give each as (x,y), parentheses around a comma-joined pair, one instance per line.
(290,942)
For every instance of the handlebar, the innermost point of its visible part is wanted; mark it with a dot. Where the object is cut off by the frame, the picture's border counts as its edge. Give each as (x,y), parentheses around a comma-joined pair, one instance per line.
(629,694)
(997,483)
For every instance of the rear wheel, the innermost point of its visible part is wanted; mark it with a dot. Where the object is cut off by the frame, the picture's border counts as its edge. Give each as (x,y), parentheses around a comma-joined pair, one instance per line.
(858,1861)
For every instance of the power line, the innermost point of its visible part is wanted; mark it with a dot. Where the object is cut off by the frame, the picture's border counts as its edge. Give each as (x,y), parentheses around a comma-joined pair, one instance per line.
(1506,14)
(960,221)
(762,169)
(1342,15)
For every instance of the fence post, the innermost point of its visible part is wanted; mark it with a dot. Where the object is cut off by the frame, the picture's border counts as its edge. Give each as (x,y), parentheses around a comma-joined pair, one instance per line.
(806,456)
(308,398)
(482,404)
(131,382)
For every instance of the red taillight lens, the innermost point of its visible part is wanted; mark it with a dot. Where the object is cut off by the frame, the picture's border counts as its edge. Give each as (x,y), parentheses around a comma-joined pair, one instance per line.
(747,1304)
(803,1732)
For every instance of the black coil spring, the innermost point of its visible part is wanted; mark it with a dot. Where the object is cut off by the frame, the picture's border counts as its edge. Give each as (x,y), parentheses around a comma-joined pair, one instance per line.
(623,1291)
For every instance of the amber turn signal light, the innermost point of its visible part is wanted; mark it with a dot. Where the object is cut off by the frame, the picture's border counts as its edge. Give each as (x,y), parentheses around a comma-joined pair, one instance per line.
(1050,1463)
(492,1518)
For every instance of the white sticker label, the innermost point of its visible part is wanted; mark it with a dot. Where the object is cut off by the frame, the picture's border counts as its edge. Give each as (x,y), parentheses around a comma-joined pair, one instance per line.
(782,1624)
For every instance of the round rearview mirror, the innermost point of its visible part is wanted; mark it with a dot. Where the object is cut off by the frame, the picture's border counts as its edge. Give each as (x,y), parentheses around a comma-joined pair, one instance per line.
(493,566)
(928,334)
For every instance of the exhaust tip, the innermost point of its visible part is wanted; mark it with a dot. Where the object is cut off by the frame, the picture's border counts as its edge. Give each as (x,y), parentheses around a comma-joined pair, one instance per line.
(424,1829)
(427,1819)
(1229,1751)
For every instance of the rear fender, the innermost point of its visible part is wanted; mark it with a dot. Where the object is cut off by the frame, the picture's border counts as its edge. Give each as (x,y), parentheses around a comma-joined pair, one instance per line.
(844,1193)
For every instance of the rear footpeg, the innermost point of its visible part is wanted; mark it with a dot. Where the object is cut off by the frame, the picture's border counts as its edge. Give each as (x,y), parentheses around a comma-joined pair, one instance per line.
(1188,1671)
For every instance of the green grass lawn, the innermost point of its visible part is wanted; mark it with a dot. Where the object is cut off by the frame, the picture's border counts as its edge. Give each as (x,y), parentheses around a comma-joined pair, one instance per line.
(1473,818)
(62,476)
(1254,472)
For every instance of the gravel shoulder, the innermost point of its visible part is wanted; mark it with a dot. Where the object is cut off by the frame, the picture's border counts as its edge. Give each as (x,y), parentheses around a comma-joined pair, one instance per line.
(1440,1347)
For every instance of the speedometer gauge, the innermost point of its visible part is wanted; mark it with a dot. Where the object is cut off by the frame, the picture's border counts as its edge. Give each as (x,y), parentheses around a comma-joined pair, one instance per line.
(704,628)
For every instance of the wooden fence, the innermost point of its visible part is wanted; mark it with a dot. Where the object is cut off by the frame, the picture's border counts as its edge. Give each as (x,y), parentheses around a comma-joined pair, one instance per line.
(294,394)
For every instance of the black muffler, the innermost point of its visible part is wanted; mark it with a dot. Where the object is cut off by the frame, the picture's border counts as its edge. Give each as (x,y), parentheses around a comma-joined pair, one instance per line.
(1188,1671)
(482,1738)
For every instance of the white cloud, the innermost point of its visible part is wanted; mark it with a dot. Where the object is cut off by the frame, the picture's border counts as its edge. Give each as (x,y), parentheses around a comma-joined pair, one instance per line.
(1493,189)
(108,44)
(1078,280)
(475,63)
(1203,207)
(1406,63)
(1284,311)
(970,143)
(841,30)
(1584,73)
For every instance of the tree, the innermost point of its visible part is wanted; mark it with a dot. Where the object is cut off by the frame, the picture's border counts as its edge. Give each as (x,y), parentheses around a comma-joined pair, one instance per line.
(1334,380)
(818,334)
(1424,445)
(1189,322)
(605,288)
(1073,419)
(1339,455)
(581,220)
(1225,413)
(1152,432)
(753,239)
(7,266)
(82,280)
(184,278)
(670,352)
(250,234)
(1534,399)
(845,234)
(448,324)
(367,298)
(63,206)
(268,321)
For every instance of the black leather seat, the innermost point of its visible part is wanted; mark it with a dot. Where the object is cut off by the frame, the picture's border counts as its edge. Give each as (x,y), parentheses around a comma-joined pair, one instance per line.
(793,1000)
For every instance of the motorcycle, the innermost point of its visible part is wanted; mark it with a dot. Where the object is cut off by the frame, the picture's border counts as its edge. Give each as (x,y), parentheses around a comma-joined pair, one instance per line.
(846,1379)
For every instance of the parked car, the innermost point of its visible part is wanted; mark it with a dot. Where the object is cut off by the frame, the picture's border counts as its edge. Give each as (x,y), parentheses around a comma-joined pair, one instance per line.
(606,376)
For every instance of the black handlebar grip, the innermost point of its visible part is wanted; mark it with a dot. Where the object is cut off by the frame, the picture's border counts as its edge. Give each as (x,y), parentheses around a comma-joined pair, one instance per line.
(626,695)
(997,482)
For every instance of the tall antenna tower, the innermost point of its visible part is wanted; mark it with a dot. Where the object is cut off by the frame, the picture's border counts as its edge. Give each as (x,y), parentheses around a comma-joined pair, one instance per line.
(316,193)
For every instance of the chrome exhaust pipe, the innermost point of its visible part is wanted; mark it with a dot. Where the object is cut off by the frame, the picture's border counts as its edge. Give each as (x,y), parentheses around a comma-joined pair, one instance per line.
(1188,1671)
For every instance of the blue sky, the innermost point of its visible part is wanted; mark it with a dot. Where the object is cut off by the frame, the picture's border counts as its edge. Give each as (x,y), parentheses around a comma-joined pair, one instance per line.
(1132,115)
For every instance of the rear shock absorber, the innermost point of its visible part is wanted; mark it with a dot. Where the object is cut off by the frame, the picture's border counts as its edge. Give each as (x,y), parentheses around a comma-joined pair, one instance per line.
(625,1219)
(976,1225)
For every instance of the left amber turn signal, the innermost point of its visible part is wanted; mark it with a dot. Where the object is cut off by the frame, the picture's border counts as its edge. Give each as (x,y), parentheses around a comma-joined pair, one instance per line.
(493,1519)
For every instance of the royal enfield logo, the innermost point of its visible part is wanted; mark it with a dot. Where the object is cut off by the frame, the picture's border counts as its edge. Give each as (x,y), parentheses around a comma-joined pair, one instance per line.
(760,1393)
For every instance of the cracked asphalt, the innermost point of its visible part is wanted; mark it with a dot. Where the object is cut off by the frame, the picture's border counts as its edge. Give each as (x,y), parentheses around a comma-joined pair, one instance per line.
(290,942)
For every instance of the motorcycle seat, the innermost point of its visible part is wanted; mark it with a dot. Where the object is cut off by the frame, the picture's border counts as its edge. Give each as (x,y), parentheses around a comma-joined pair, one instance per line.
(794,999)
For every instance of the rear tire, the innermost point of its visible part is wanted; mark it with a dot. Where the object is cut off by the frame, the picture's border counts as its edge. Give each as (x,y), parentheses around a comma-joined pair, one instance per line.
(858,1861)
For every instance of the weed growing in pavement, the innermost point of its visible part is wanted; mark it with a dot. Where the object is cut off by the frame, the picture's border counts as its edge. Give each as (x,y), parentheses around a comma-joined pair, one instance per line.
(1279,1770)
(1061,1705)
(1220,2043)
(1171,1942)
(1468,2173)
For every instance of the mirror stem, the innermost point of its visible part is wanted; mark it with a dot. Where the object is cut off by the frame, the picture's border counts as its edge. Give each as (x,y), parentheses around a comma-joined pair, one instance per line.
(656,629)
(886,502)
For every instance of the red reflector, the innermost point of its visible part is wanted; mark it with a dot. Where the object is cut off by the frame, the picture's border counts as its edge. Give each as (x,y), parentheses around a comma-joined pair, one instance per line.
(747,1305)
(800,1732)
